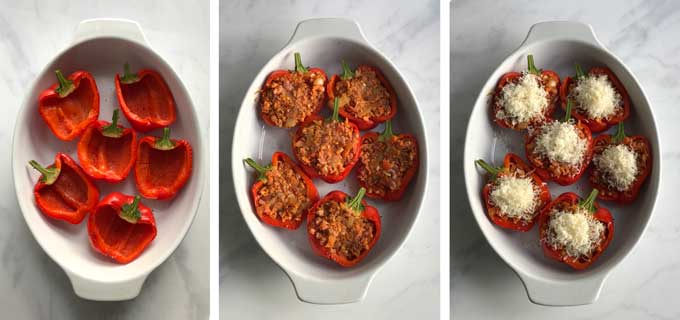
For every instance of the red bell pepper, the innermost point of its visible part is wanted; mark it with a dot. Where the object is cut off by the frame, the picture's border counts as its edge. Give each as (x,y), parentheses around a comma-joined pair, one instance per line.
(391,152)
(348,75)
(596,125)
(643,150)
(121,227)
(570,200)
(145,99)
(513,166)
(265,191)
(70,105)
(311,163)
(548,170)
(107,150)
(272,87)
(360,210)
(550,81)
(64,191)
(163,166)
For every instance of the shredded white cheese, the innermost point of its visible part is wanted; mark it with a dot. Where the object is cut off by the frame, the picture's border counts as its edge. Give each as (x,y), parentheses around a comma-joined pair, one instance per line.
(515,197)
(576,232)
(523,101)
(560,141)
(619,165)
(596,97)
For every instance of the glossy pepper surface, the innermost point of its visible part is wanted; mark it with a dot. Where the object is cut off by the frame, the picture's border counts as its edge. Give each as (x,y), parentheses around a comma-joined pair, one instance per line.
(163,166)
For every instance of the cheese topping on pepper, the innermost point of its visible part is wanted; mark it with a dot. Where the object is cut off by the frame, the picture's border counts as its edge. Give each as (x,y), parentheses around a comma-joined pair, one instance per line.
(619,165)
(515,197)
(523,101)
(560,141)
(575,232)
(596,97)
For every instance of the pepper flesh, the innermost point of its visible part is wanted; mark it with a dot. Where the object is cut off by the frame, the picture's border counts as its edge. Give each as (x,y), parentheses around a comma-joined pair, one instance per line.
(312,194)
(513,165)
(64,191)
(361,209)
(121,227)
(70,105)
(163,166)
(597,125)
(570,199)
(372,122)
(107,150)
(145,98)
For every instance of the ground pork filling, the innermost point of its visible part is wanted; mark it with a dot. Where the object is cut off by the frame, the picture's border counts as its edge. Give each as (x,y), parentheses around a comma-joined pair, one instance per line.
(364,96)
(573,229)
(341,230)
(385,164)
(327,146)
(283,195)
(291,98)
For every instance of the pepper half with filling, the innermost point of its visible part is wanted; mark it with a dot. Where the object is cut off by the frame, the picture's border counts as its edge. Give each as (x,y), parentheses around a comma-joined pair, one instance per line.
(343,228)
(283,193)
(163,166)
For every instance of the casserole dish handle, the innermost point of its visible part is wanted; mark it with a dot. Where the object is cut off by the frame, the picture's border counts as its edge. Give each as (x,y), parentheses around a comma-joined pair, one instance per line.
(563,30)
(563,293)
(106,291)
(116,28)
(328,27)
(336,291)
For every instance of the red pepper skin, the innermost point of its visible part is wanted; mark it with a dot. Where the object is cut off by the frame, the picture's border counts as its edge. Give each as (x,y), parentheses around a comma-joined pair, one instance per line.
(510,77)
(68,116)
(100,155)
(601,214)
(147,103)
(543,170)
(115,237)
(64,198)
(597,125)
(361,123)
(628,196)
(160,174)
(312,194)
(511,163)
(370,213)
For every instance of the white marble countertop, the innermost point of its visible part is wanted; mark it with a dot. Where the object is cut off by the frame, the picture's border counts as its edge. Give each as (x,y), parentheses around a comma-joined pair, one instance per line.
(644,35)
(251,284)
(32,286)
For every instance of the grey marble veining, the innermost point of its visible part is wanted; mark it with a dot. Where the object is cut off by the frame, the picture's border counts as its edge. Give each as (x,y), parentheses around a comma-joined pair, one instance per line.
(32,286)
(251,284)
(644,35)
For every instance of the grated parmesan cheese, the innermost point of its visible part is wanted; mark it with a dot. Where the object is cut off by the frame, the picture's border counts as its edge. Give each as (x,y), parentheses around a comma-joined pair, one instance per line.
(619,165)
(596,97)
(523,101)
(576,232)
(515,197)
(560,141)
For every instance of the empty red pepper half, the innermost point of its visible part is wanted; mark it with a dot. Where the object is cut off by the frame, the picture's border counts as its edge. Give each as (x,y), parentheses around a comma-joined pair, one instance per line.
(596,125)
(283,193)
(121,227)
(513,166)
(163,166)
(366,97)
(70,105)
(343,228)
(643,154)
(145,99)
(107,150)
(570,201)
(64,191)
(387,164)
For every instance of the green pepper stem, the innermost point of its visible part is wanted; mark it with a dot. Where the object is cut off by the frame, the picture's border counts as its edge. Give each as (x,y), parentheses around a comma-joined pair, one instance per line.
(347,73)
(355,203)
(260,169)
(299,67)
(579,72)
(492,170)
(65,85)
(112,130)
(128,76)
(567,116)
(532,68)
(130,212)
(589,202)
(165,143)
(620,133)
(49,175)
(387,134)
(336,110)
